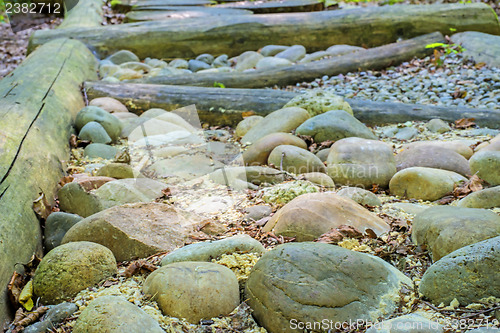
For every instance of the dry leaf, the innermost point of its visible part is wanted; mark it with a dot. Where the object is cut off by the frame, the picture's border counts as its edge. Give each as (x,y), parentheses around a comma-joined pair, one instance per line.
(65,180)
(474,184)
(465,123)
(42,207)
(15,287)
(140,266)
(247,114)
(336,235)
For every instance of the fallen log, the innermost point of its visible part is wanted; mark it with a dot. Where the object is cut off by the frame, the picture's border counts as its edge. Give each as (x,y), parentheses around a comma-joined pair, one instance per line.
(279,6)
(39,100)
(85,14)
(142,4)
(218,106)
(371,26)
(375,58)
(187,12)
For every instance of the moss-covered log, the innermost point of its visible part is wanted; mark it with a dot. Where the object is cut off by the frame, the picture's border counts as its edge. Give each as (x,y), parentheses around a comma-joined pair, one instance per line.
(181,12)
(38,102)
(86,14)
(266,7)
(218,106)
(375,58)
(373,26)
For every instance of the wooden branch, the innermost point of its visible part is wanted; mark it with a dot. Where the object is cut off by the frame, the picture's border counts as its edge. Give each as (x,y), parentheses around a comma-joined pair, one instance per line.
(232,35)
(86,14)
(181,12)
(266,7)
(218,106)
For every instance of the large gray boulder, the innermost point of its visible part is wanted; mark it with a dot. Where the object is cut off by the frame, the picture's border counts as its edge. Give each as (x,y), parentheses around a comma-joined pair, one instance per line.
(312,282)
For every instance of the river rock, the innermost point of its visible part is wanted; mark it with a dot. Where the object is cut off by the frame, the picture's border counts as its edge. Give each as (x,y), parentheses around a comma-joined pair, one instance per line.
(122,56)
(117,171)
(136,230)
(293,53)
(257,212)
(310,282)
(467,274)
(424,183)
(359,162)
(185,167)
(406,133)
(93,113)
(319,178)
(93,131)
(54,316)
(196,65)
(125,74)
(100,150)
(272,50)
(456,145)
(334,125)
(247,60)
(221,61)
(319,101)
(108,69)
(323,154)
(361,196)
(129,190)
(108,104)
(179,63)
(281,121)
(257,175)
(206,251)
(432,157)
(341,49)
(151,127)
(74,199)
(300,219)
(89,183)
(194,290)
(411,323)
(486,198)
(246,124)
(70,268)
(314,56)
(258,152)
(206,58)
(269,63)
(136,66)
(486,164)
(56,226)
(295,160)
(114,314)
(438,126)
(444,229)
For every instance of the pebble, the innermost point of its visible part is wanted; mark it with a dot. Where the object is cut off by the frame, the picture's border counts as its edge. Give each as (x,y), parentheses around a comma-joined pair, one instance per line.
(94,132)
(93,113)
(295,160)
(272,50)
(361,196)
(258,152)
(269,63)
(438,126)
(100,150)
(246,124)
(179,63)
(196,65)
(411,323)
(257,212)
(54,316)
(293,53)
(109,104)
(206,58)
(122,56)
(221,61)
(247,60)
(56,226)
(406,133)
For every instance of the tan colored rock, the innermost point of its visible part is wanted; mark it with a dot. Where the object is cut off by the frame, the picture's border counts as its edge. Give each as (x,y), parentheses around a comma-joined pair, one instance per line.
(109,104)
(246,124)
(258,152)
(295,160)
(457,146)
(319,178)
(310,215)
(89,183)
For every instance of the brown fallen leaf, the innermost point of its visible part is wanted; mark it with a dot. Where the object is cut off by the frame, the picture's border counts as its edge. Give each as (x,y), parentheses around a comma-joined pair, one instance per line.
(336,235)
(474,184)
(247,114)
(140,266)
(14,288)
(42,207)
(73,141)
(65,180)
(465,123)
(23,319)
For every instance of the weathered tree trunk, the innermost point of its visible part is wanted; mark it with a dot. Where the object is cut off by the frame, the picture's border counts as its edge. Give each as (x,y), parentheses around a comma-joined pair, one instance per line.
(225,106)
(375,58)
(86,14)
(38,101)
(172,12)
(233,35)
(266,7)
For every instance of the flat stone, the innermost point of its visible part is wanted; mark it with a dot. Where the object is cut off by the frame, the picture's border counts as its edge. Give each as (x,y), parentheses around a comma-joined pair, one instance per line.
(255,213)
(194,290)
(269,63)
(333,126)
(93,113)
(479,46)
(122,56)
(314,56)
(281,121)
(70,268)
(299,218)
(406,133)
(486,164)
(246,124)
(272,50)
(444,229)
(185,167)
(295,160)
(221,61)
(126,74)
(258,152)
(361,196)
(136,66)
(409,208)
(424,183)
(318,101)
(100,150)
(136,230)
(468,274)
(486,198)
(438,126)
(310,282)
(114,314)
(56,226)
(152,127)
(55,315)
(129,190)
(109,104)
(432,157)
(206,251)
(117,171)
(293,53)
(361,163)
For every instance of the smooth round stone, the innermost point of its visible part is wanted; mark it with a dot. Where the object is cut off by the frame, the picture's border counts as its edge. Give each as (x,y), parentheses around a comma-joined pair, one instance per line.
(94,132)
(314,56)
(258,153)
(127,74)
(333,126)
(172,71)
(246,124)
(209,250)
(406,133)
(107,70)
(295,160)
(424,183)
(444,229)
(271,50)
(438,126)
(268,63)
(257,175)
(196,65)
(74,199)
(179,63)
(457,146)
(247,60)
(185,167)
(99,150)
(341,49)
(409,208)
(56,226)
(319,178)
(255,213)
(412,323)
(323,154)
(206,58)
(221,61)
(311,282)
(361,196)
(319,101)
(136,66)
(55,315)
(486,164)
(110,79)
(300,219)
(468,274)
(492,146)
(93,113)
(171,117)
(117,171)
(432,157)
(122,56)
(156,63)
(70,268)
(89,183)
(293,53)
(281,121)
(140,129)
(125,116)
(194,290)
(486,198)
(360,162)
(114,314)
(108,104)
